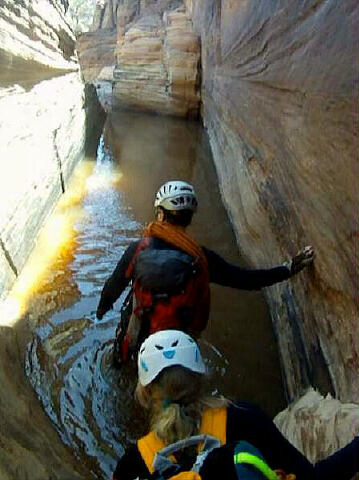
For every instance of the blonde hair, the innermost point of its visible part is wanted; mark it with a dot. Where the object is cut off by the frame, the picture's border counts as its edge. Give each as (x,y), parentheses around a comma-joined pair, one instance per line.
(184,392)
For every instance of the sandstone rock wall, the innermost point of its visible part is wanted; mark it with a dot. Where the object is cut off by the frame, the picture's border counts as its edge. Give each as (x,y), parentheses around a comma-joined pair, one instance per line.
(109,14)
(42,123)
(280,83)
(150,52)
(157,66)
(42,138)
(29,445)
(96,52)
(34,37)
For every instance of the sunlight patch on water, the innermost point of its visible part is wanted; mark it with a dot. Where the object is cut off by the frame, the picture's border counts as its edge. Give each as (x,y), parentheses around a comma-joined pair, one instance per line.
(57,238)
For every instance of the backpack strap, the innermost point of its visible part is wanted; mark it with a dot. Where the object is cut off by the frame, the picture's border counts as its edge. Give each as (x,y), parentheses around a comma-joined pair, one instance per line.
(162,463)
(214,423)
(148,447)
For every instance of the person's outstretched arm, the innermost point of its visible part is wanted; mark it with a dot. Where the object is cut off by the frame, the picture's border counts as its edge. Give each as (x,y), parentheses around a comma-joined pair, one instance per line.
(229,275)
(343,464)
(117,282)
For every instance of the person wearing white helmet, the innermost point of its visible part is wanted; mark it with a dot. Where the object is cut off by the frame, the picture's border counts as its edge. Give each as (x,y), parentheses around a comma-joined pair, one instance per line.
(176,196)
(234,440)
(171,273)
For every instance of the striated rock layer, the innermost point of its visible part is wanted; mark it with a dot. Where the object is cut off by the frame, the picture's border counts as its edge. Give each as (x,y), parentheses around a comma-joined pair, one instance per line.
(157,66)
(96,52)
(149,51)
(279,88)
(35,37)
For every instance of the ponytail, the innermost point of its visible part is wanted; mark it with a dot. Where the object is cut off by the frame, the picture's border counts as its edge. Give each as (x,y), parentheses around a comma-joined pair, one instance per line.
(176,400)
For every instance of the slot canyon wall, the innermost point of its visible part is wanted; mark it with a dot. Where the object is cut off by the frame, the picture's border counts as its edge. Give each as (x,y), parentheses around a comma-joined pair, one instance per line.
(276,84)
(42,123)
(279,91)
(42,137)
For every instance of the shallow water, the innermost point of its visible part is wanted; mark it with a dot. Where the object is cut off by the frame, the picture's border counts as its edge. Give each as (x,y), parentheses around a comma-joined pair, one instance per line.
(69,360)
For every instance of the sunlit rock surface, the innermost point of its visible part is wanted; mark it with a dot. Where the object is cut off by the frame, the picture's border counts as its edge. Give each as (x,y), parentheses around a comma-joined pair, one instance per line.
(319,426)
(280,81)
(42,138)
(34,37)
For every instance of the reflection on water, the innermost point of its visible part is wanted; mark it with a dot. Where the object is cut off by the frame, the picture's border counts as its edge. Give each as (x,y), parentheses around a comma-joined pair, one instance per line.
(69,360)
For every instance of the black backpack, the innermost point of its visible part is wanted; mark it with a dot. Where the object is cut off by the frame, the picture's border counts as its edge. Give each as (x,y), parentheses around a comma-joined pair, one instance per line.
(164,271)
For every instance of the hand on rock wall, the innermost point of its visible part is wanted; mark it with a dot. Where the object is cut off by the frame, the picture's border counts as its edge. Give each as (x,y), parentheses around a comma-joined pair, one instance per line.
(302,259)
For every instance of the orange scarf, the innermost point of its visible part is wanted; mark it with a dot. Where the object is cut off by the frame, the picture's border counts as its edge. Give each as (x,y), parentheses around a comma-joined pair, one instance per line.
(180,239)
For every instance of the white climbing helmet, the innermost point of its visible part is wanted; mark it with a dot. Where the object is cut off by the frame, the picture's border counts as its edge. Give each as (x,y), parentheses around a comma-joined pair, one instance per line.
(176,195)
(165,349)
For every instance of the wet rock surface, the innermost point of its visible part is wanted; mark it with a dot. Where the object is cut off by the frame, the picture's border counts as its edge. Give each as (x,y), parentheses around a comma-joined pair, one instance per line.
(30,448)
(42,133)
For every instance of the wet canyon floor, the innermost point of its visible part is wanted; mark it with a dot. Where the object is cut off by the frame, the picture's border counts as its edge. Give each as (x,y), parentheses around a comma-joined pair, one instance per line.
(68,361)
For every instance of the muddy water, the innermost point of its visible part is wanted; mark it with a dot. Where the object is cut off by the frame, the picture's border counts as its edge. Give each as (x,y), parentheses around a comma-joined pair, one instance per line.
(69,360)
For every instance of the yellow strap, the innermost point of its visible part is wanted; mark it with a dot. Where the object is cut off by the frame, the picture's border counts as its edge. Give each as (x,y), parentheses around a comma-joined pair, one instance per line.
(187,476)
(148,446)
(214,422)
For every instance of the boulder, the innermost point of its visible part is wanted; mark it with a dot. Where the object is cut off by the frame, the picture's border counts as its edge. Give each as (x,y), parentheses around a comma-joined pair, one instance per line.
(318,426)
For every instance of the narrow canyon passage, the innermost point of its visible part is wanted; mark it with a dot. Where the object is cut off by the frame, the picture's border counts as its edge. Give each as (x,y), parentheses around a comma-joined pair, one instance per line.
(68,362)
